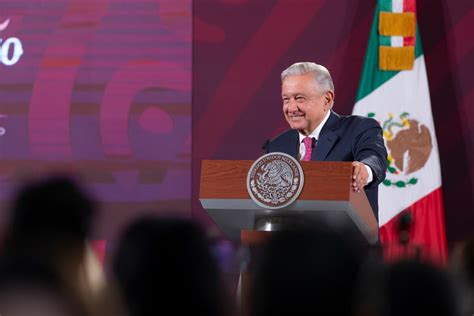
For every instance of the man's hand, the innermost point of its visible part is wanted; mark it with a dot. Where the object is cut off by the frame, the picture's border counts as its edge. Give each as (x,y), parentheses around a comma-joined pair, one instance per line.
(359,176)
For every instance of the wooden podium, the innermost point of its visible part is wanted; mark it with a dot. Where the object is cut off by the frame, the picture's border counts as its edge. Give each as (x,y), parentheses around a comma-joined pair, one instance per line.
(327,197)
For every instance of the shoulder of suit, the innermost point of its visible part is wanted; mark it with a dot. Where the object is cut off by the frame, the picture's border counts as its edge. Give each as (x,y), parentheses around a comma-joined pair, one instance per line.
(284,136)
(357,119)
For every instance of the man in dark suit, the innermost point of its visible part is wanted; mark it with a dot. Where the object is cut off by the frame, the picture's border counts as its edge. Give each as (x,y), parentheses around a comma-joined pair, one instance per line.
(318,133)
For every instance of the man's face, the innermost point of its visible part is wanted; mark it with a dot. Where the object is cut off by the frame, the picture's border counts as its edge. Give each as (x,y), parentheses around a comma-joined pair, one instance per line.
(304,106)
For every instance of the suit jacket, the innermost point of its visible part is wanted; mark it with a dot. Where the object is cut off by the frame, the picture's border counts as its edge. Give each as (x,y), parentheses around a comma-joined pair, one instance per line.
(344,138)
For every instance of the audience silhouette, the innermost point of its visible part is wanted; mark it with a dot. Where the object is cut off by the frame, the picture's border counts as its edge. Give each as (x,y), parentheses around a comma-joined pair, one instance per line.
(44,248)
(305,272)
(166,265)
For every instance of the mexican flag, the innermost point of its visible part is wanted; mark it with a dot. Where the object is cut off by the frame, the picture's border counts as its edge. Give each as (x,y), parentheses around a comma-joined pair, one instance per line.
(394,90)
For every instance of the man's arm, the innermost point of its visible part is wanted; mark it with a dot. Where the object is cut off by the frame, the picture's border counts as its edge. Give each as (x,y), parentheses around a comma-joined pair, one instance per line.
(369,150)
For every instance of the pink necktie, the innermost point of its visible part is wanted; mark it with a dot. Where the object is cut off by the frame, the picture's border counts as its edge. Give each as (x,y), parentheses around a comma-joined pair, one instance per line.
(308,146)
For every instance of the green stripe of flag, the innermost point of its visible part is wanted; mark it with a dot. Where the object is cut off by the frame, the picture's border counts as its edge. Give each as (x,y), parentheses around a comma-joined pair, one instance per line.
(385,40)
(385,5)
(372,77)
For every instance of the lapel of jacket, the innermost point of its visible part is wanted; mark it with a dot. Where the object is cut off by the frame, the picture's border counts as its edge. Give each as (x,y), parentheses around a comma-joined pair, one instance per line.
(327,138)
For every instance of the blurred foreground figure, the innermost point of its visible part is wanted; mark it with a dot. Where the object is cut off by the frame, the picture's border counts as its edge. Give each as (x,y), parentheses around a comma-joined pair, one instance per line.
(408,288)
(164,266)
(35,300)
(44,255)
(305,273)
(462,266)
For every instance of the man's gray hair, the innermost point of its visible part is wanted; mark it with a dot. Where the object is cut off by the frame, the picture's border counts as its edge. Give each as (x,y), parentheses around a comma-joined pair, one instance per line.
(321,75)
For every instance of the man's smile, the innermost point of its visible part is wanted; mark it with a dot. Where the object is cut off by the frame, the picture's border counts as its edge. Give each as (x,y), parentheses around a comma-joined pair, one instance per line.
(296,116)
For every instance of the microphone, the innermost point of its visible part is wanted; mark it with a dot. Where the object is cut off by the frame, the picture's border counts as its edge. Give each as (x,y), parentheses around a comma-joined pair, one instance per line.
(313,142)
(265,145)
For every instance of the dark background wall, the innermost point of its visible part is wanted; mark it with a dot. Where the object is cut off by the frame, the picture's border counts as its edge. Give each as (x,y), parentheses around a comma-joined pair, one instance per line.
(241,46)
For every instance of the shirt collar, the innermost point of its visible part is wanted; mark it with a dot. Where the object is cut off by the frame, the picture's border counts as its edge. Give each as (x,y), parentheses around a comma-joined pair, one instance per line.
(317,130)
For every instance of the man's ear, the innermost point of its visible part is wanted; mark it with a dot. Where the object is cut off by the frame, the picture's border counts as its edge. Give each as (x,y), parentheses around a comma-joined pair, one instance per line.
(328,99)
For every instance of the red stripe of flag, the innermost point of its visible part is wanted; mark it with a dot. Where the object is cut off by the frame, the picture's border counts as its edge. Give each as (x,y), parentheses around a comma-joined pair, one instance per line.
(427,234)
(409,5)
(409,41)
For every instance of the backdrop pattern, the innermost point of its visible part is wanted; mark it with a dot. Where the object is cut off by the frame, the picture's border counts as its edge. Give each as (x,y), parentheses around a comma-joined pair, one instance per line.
(102,88)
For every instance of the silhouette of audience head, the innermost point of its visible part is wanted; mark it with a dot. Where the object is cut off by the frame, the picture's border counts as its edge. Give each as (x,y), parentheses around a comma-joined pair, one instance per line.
(416,288)
(36,300)
(407,288)
(305,272)
(165,265)
(462,267)
(462,260)
(49,215)
(44,246)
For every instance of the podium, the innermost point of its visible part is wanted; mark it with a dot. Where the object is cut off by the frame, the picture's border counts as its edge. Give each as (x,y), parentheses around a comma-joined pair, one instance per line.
(326,198)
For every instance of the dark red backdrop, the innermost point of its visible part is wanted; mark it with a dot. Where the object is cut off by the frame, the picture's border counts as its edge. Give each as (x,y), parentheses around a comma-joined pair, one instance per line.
(241,46)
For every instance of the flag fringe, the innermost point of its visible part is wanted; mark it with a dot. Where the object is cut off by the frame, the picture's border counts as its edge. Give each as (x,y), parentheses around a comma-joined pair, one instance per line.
(396,58)
(397,24)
